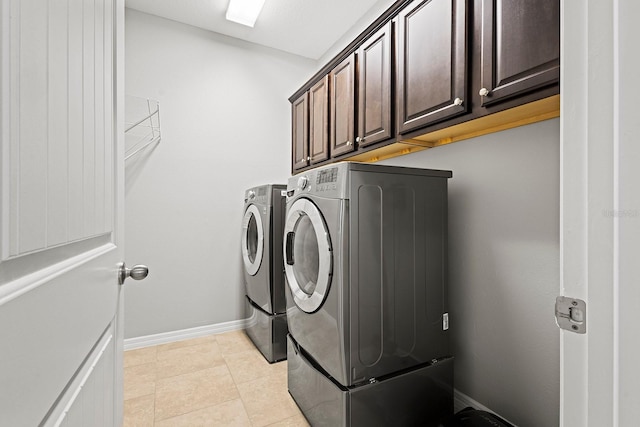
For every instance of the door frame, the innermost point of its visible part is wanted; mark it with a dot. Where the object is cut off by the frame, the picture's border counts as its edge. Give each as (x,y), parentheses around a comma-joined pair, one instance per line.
(600,211)
(119,202)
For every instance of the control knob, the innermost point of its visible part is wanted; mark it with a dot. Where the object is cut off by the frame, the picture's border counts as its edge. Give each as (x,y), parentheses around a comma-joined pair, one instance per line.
(303,182)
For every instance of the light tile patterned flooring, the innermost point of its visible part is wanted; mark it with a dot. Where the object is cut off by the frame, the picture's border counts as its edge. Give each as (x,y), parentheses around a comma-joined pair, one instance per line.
(217,380)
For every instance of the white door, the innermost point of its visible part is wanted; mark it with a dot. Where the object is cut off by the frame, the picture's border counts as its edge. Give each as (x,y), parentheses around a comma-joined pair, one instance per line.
(61,212)
(600,211)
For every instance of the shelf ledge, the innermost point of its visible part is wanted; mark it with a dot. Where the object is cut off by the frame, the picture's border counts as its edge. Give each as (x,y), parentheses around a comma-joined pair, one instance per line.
(533,112)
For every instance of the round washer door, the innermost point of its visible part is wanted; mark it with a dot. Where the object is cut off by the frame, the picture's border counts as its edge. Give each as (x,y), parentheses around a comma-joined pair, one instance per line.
(308,255)
(252,240)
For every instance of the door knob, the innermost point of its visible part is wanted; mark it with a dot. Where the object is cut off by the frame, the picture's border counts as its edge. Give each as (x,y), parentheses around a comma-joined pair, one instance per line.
(138,272)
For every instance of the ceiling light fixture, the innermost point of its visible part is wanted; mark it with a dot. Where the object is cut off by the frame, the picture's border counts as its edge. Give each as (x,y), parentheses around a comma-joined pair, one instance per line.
(244,12)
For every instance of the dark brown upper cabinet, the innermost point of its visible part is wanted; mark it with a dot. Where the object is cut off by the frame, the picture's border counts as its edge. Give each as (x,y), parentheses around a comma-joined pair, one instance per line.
(432,62)
(342,106)
(300,131)
(319,121)
(374,88)
(520,47)
(431,72)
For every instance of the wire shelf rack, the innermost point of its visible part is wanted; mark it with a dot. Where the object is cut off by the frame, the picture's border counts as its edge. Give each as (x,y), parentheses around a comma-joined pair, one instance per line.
(142,124)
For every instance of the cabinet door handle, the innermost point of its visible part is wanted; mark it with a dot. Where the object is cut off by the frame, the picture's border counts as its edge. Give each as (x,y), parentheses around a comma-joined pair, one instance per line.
(484,92)
(457,101)
(348,142)
(357,139)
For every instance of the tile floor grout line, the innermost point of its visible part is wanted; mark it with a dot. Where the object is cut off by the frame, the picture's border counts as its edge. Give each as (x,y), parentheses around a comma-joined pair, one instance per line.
(155,385)
(154,405)
(245,408)
(235,383)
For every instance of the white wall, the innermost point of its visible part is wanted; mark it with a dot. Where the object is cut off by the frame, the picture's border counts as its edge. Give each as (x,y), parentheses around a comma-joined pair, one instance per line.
(225,124)
(504,267)
(358,27)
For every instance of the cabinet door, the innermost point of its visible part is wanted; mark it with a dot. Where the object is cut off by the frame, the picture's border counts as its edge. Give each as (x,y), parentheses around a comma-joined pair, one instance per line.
(300,132)
(374,88)
(319,120)
(342,136)
(432,63)
(520,47)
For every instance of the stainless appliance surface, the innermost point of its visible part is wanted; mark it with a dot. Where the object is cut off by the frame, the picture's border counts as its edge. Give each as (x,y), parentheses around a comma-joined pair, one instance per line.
(365,257)
(261,243)
(266,331)
(365,261)
(419,397)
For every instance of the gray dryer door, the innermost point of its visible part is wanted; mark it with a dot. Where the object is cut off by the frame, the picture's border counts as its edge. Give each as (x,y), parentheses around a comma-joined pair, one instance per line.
(308,255)
(252,240)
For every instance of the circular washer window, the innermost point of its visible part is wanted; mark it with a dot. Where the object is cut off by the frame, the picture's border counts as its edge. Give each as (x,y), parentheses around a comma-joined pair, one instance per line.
(252,240)
(308,255)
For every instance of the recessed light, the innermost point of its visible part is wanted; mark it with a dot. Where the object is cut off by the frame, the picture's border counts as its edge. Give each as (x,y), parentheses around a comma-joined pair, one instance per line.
(244,12)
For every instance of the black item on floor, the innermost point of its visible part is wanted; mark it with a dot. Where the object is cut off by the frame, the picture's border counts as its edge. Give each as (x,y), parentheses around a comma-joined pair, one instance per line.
(470,417)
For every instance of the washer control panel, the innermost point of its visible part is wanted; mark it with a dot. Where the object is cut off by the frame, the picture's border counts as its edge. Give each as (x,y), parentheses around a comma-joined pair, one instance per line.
(257,195)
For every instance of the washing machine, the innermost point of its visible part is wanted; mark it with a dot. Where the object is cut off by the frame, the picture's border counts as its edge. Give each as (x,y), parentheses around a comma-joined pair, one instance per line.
(261,242)
(365,257)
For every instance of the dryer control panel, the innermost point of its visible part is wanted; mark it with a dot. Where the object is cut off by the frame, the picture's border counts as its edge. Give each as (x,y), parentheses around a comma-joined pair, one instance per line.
(326,181)
(327,176)
(257,195)
(264,194)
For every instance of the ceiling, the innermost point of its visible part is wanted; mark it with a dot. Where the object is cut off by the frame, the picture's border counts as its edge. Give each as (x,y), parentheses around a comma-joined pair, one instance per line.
(303,27)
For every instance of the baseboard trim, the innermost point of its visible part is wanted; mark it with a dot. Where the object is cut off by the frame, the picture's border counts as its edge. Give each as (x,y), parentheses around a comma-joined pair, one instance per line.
(183,334)
(461,401)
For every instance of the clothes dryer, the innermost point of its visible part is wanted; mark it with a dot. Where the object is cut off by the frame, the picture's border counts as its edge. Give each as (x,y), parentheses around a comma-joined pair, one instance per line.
(261,242)
(366,266)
